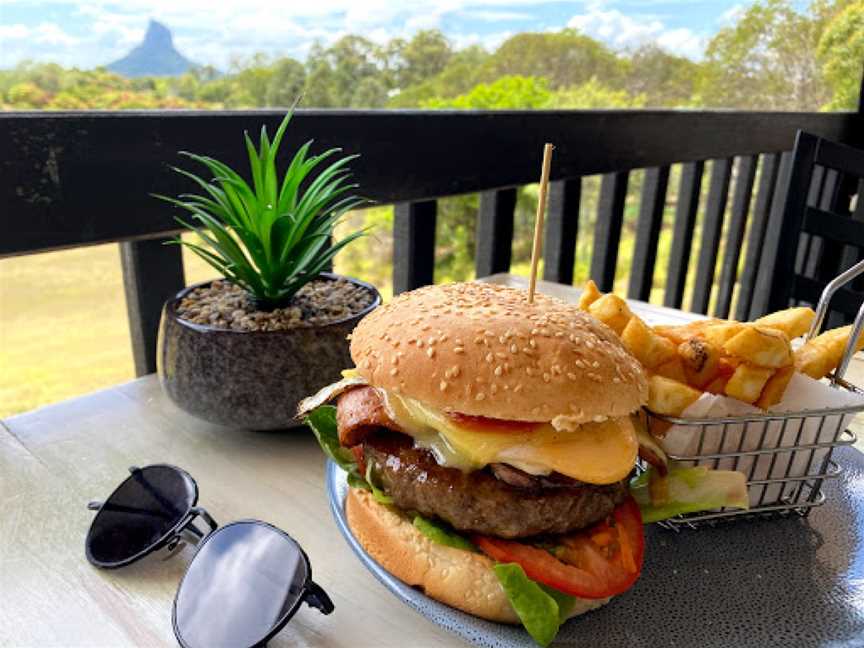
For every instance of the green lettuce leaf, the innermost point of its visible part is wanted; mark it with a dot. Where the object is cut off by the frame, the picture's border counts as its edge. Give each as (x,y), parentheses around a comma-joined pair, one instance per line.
(441,534)
(689,489)
(538,607)
(380,496)
(565,602)
(322,421)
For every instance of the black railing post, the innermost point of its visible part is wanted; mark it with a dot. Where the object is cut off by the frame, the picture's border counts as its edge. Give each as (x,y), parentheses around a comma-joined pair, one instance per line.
(495,231)
(562,229)
(756,236)
(712,225)
(689,192)
(413,244)
(152,273)
(735,233)
(651,208)
(607,232)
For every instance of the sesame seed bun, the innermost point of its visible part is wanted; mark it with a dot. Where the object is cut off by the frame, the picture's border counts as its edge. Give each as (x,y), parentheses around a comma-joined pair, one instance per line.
(483,350)
(456,577)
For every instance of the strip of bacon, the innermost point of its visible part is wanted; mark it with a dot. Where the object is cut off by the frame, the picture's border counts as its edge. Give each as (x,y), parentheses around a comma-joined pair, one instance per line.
(359,412)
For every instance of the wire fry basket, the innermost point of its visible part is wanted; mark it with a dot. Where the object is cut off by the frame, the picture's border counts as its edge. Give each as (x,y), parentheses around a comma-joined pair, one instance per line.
(786,456)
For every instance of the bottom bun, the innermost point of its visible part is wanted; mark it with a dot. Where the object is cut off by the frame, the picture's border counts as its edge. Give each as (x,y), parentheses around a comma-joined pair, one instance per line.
(461,579)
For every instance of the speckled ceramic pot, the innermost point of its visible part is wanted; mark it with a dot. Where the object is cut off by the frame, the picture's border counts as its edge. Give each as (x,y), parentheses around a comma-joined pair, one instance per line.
(250,379)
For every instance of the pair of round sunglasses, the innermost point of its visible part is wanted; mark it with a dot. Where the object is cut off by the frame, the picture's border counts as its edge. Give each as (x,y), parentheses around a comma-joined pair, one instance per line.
(246,579)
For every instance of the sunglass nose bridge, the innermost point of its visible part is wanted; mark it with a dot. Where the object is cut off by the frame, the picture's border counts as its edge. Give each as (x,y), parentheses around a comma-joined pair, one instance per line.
(316,597)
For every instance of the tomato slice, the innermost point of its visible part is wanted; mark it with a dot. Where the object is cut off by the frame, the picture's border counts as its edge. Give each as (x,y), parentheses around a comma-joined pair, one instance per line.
(486,424)
(601,561)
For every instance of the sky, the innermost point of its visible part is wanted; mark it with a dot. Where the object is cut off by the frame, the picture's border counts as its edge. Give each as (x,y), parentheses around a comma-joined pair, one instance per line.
(89,33)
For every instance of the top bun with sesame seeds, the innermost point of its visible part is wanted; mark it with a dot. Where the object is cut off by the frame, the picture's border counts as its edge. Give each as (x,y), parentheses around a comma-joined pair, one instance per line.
(483,350)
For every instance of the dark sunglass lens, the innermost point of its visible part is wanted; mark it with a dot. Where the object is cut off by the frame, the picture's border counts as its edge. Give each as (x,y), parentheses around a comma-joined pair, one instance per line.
(145,507)
(244,581)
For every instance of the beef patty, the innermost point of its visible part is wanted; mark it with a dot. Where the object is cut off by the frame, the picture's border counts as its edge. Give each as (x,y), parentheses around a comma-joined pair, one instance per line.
(511,505)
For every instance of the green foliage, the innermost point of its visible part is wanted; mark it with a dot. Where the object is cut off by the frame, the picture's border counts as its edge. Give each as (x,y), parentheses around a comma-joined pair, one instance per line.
(766,60)
(509,92)
(286,82)
(273,237)
(48,86)
(565,58)
(336,73)
(463,72)
(412,62)
(663,79)
(593,95)
(841,52)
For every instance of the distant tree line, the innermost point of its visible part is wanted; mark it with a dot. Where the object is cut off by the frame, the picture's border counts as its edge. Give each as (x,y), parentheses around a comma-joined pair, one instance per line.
(772,56)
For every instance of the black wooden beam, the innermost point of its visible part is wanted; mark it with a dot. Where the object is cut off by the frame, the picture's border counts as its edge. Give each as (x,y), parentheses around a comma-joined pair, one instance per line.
(495,231)
(562,229)
(712,226)
(152,273)
(58,163)
(414,244)
(651,209)
(607,233)
(682,235)
(833,226)
(746,174)
(756,235)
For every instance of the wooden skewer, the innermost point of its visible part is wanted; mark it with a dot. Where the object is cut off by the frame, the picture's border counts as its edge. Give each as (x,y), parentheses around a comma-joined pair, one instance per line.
(537,248)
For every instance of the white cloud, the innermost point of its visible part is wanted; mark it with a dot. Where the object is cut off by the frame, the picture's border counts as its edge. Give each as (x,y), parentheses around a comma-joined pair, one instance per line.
(683,42)
(731,15)
(493,15)
(53,34)
(14,32)
(621,30)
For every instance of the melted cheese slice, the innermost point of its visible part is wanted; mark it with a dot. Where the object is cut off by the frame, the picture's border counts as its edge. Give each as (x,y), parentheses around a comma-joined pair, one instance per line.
(595,453)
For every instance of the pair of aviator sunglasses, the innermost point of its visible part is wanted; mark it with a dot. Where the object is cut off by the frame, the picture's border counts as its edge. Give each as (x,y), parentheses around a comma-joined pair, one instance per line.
(246,579)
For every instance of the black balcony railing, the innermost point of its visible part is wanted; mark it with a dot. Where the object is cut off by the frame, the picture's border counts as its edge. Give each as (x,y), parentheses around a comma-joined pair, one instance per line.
(72,179)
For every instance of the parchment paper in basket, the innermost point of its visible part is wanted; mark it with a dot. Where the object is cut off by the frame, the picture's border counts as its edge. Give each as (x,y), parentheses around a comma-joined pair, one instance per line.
(803,393)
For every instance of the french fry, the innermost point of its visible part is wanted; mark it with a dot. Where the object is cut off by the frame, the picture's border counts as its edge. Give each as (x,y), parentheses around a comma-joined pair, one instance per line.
(701,360)
(719,334)
(673,369)
(669,397)
(678,333)
(772,392)
(612,311)
(820,355)
(589,295)
(718,385)
(747,382)
(794,322)
(650,349)
(759,345)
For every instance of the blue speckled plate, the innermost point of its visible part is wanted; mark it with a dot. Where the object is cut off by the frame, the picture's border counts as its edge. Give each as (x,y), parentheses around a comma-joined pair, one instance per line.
(791,582)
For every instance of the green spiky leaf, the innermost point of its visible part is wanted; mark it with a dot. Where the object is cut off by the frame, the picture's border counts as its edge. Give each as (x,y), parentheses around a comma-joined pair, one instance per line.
(271,236)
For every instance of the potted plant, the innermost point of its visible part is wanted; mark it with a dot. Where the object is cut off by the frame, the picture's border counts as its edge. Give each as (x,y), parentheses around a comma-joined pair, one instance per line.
(245,349)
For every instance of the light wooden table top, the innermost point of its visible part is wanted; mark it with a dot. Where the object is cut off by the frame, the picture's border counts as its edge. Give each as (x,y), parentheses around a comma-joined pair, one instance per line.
(55,459)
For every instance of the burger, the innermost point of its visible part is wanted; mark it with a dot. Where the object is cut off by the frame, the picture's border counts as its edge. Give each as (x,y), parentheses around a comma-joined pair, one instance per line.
(490,444)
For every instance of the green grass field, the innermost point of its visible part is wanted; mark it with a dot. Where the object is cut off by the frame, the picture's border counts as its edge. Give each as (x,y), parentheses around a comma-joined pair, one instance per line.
(63,327)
